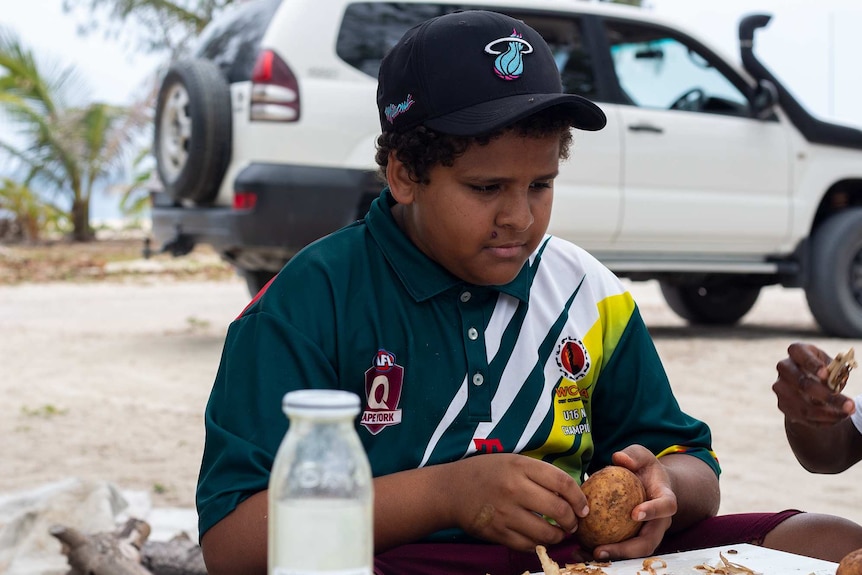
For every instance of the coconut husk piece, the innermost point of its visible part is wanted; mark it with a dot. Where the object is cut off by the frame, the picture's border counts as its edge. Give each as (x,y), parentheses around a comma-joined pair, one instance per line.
(839,370)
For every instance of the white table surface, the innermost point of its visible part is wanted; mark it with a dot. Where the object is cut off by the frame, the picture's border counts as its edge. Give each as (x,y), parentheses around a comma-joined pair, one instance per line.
(759,559)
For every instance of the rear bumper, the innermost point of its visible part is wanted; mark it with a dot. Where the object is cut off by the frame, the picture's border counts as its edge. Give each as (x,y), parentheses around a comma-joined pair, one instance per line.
(295,206)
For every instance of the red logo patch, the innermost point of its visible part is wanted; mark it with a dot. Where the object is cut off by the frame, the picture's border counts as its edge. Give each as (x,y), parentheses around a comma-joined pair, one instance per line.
(573,359)
(383,382)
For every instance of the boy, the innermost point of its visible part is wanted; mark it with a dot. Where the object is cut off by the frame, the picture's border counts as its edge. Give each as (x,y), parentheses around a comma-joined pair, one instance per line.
(497,365)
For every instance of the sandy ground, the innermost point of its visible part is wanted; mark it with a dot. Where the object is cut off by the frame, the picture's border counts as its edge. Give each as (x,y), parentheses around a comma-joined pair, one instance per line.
(108,381)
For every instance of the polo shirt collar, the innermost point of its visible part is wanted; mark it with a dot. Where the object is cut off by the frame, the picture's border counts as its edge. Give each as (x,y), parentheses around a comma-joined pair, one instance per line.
(422,277)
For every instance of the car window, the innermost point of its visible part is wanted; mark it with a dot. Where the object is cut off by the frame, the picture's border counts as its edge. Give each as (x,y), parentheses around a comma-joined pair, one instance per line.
(232,40)
(655,69)
(563,35)
(369,29)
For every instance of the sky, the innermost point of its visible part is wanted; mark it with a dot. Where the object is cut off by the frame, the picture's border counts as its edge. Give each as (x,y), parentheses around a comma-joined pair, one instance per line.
(810,45)
(113,72)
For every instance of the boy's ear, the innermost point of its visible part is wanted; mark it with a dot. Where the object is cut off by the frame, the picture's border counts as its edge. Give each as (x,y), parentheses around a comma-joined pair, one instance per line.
(400,184)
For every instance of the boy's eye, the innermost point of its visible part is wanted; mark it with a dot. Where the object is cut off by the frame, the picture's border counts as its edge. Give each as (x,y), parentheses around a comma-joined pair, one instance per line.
(494,188)
(485,189)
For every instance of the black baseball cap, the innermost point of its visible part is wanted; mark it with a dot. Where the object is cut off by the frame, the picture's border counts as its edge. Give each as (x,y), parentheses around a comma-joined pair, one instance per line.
(473,72)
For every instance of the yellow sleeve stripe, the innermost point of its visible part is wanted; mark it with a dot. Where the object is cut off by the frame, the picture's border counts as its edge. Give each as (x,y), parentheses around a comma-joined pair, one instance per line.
(682,449)
(615,311)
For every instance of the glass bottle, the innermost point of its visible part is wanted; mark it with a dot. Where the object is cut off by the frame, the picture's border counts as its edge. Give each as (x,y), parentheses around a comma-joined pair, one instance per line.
(320,489)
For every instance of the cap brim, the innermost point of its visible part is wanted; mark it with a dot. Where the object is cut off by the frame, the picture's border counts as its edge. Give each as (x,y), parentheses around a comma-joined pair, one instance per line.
(496,114)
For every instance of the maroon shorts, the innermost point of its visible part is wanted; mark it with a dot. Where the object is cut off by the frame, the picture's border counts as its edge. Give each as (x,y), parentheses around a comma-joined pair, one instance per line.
(480,558)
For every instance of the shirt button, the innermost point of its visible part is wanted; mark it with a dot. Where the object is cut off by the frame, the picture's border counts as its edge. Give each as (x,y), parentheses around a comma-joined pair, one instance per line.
(465,296)
(473,334)
(478,379)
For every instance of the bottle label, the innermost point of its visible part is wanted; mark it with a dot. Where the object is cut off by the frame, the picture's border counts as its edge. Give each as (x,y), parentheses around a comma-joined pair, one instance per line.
(285,571)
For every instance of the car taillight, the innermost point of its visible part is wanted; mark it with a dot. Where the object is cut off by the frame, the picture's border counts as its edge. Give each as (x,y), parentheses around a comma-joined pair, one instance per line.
(244,200)
(274,90)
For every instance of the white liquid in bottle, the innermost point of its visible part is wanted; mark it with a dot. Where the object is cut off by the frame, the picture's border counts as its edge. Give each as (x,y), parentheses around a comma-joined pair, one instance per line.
(323,545)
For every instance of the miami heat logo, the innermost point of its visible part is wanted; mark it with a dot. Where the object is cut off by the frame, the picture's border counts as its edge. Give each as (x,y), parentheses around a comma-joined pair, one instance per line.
(573,359)
(509,64)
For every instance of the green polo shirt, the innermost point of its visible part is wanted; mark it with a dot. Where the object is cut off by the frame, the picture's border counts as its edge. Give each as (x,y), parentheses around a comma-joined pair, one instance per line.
(556,365)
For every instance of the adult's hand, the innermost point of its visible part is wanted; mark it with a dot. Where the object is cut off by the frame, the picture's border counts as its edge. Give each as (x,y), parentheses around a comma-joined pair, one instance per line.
(816,420)
(803,395)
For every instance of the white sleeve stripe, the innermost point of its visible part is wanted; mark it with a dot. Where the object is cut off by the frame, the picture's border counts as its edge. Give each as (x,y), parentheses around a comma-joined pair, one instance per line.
(455,407)
(503,313)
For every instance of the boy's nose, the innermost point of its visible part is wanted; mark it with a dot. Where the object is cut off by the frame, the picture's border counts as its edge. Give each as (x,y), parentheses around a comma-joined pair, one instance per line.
(516,213)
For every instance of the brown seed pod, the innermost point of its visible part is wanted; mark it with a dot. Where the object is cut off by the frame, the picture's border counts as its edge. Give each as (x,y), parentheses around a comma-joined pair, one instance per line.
(851,564)
(612,493)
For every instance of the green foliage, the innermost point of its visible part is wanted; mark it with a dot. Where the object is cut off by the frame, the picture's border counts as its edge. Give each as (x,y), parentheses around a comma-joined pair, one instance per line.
(70,146)
(135,194)
(197,324)
(30,214)
(46,411)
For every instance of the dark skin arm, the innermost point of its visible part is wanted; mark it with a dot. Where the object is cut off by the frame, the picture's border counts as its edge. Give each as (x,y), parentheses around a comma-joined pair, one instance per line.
(816,421)
(498,497)
(237,543)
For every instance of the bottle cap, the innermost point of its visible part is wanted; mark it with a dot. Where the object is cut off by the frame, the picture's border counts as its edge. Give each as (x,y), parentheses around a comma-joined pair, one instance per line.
(320,403)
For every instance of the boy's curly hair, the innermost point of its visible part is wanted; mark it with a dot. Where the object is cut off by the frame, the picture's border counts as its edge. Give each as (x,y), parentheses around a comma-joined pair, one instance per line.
(421,148)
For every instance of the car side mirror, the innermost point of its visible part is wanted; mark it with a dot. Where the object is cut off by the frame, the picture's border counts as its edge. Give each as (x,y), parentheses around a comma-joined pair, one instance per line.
(764,100)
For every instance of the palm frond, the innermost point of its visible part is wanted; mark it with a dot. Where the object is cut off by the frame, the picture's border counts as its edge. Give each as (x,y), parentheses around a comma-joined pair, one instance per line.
(44,82)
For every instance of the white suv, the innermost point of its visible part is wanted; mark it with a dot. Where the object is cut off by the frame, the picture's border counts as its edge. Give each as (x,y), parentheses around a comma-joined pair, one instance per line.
(709,177)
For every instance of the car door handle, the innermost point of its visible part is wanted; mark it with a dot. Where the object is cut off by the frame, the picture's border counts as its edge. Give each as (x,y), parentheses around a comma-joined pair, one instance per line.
(645,128)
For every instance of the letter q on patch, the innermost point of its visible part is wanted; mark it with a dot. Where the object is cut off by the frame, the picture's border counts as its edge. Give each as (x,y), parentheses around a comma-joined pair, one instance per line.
(383,384)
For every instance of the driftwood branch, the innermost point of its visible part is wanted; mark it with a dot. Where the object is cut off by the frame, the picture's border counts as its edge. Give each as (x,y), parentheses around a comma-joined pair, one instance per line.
(179,556)
(117,553)
(126,551)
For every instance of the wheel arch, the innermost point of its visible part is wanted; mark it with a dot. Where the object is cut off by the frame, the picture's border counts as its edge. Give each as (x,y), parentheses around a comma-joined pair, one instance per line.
(834,273)
(841,195)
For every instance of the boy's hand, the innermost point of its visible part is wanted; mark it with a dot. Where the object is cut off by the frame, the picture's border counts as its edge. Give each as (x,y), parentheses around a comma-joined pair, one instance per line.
(505,498)
(656,512)
(803,395)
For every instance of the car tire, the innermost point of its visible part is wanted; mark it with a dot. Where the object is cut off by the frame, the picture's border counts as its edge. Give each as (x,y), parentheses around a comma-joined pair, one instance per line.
(710,302)
(834,286)
(192,143)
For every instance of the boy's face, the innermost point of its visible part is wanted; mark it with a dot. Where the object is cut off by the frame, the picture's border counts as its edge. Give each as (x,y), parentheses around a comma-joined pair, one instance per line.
(484,216)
